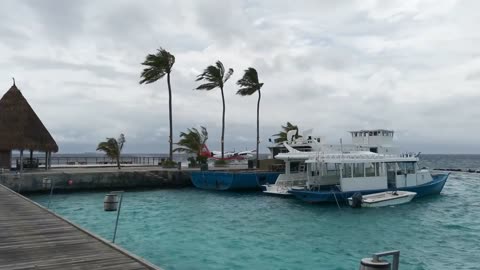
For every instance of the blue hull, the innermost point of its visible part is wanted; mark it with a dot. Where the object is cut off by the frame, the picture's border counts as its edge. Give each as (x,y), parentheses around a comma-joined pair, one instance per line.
(221,180)
(431,188)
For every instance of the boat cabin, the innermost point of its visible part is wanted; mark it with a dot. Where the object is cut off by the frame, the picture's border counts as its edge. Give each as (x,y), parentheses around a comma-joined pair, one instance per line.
(351,173)
(373,138)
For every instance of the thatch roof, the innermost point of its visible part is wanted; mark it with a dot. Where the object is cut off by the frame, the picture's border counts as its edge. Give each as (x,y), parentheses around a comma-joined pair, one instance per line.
(20,127)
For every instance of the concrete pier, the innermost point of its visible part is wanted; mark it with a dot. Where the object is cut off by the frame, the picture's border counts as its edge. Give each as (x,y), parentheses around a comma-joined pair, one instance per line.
(70,179)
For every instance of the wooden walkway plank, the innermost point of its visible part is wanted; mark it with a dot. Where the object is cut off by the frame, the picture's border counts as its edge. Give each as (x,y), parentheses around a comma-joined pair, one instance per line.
(32,237)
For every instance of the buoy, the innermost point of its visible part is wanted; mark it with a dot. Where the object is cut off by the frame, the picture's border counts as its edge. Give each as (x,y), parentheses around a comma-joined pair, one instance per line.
(370,264)
(110,203)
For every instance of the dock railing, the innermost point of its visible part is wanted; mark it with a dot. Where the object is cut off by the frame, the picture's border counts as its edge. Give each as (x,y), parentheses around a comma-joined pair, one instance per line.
(92,160)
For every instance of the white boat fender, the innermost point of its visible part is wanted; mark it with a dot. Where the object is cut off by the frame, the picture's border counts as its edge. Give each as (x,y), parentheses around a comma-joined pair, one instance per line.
(357,200)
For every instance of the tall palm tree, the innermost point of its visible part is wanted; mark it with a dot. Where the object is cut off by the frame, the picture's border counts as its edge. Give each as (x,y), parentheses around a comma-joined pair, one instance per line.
(249,85)
(192,142)
(282,135)
(159,65)
(113,148)
(215,76)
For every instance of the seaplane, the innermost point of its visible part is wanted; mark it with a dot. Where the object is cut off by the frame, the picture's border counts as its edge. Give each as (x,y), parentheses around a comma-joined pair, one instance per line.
(215,155)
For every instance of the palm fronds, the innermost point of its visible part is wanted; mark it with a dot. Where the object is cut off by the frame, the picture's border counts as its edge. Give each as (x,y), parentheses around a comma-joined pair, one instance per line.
(192,141)
(113,148)
(158,65)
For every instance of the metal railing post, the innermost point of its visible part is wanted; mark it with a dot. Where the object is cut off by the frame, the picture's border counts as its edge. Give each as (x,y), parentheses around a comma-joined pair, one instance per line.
(118,212)
(52,186)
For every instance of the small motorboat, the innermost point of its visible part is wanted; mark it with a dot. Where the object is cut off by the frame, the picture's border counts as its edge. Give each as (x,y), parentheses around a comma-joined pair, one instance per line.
(381,199)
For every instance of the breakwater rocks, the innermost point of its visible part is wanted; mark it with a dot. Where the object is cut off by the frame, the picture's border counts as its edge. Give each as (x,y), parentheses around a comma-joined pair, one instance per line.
(457,170)
(91,180)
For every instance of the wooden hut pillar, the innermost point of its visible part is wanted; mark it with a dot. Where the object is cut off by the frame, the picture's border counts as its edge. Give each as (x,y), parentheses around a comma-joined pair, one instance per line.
(21,161)
(49,160)
(31,157)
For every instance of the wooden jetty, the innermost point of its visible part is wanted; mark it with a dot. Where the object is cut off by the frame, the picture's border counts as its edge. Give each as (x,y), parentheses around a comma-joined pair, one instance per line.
(32,237)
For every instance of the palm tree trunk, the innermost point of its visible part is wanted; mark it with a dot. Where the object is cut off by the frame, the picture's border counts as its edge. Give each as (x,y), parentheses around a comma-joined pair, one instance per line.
(258,125)
(223,120)
(118,162)
(170,141)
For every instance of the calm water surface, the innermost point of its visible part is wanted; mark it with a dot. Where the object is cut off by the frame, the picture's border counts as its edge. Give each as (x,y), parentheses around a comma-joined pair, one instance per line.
(195,229)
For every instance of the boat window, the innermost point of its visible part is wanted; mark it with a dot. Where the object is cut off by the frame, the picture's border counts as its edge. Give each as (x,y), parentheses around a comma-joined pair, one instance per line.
(401,168)
(370,169)
(358,169)
(370,133)
(375,133)
(294,166)
(410,167)
(347,170)
(331,169)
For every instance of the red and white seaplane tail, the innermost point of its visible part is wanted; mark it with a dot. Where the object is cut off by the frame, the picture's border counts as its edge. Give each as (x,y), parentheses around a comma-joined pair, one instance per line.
(244,155)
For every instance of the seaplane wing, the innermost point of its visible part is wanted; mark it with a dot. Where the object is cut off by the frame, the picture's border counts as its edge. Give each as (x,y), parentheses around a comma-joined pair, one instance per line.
(227,155)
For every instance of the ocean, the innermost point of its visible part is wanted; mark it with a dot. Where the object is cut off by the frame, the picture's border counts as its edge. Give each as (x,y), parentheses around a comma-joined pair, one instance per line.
(197,229)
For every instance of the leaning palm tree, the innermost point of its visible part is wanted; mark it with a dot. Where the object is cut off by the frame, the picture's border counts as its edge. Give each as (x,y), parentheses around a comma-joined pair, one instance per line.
(282,135)
(158,65)
(192,142)
(113,148)
(249,85)
(215,76)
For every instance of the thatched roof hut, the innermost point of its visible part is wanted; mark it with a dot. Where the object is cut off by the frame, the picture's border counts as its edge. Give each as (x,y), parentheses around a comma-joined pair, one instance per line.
(20,127)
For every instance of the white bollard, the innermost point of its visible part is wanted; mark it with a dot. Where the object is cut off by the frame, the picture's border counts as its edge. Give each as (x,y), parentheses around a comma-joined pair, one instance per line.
(110,203)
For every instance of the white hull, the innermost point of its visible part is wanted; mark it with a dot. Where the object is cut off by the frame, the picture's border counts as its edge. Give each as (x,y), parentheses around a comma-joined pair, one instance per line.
(388,198)
(277,190)
(286,182)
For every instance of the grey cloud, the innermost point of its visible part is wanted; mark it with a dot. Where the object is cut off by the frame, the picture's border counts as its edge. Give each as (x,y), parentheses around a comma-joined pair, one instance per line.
(49,63)
(473,76)
(60,20)
(329,65)
(89,84)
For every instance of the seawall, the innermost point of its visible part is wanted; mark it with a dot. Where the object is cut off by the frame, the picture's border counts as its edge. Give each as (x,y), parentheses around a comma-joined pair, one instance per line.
(90,179)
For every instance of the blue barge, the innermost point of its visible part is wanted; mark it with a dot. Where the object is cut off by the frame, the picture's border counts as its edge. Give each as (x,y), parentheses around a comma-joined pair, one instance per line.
(233,180)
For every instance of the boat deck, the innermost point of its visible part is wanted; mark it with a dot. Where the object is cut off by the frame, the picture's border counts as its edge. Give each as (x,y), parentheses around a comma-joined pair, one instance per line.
(34,238)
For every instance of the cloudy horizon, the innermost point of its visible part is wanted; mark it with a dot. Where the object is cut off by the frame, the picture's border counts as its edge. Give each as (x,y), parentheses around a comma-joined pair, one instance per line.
(335,66)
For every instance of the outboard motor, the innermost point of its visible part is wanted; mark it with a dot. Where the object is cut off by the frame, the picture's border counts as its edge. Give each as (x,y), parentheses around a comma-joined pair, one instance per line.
(357,199)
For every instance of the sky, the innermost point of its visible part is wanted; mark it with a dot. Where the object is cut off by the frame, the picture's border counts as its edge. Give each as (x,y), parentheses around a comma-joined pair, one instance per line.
(334,66)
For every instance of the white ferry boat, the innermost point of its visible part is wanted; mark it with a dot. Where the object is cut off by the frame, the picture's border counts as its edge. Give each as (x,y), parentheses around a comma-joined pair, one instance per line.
(329,173)
(295,152)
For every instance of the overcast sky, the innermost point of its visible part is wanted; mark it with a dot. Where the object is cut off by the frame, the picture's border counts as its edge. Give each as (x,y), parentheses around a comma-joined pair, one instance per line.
(410,66)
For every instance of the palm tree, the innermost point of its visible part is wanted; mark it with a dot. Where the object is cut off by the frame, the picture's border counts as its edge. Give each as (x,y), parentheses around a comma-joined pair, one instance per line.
(249,85)
(192,142)
(158,65)
(113,148)
(282,135)
(215,77)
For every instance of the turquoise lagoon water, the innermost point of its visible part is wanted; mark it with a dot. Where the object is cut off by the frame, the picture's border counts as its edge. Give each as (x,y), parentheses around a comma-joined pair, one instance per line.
(196,229)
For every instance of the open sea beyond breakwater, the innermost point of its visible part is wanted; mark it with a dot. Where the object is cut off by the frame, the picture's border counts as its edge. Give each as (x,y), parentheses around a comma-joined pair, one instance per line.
(197,229)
